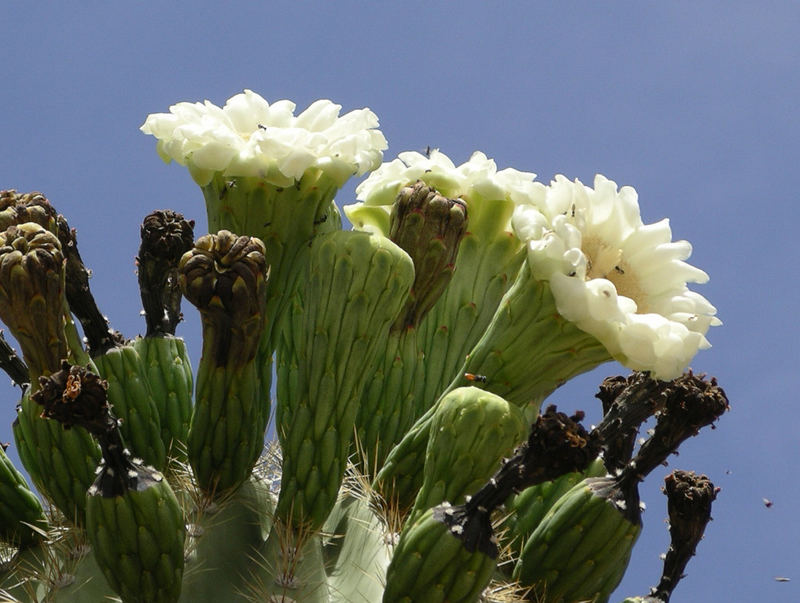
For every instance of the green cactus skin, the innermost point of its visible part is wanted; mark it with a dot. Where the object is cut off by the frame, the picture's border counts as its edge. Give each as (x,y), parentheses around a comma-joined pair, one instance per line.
(527,509)
(431,565)
(429,228)
(488,258)
(61,462)
(228,425)
(472,431)
(83,582)
(133,403)
(292,568)
(388,405)
(359,551)
(581,549)
(355,286)
(285,218)
(225,541)
(527,351)
(169,374)
(19,507)
(138,539)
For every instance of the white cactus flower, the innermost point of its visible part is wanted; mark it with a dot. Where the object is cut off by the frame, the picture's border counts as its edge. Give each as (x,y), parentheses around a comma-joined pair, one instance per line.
(620,280)
(249,137)
(474,181)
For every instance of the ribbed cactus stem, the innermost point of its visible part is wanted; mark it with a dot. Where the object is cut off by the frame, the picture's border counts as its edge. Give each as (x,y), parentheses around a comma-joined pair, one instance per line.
(31,304)
(356,284)
(489,256)
(581,549)
(388,404)
(225,277)
(527,509)
(226,536)
(22,519)
(527,351)
(450,552)
(133,519)
(429,228)
(285,217)
(472,430)
(115,360)
(165,237)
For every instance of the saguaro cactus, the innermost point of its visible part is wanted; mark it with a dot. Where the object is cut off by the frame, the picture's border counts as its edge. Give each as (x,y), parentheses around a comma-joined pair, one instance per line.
(412,356)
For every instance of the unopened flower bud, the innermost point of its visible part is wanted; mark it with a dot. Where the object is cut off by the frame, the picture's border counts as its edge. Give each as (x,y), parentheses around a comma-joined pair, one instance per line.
(429,227)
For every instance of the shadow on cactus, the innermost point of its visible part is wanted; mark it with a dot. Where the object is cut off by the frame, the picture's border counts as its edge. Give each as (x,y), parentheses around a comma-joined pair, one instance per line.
(411,357)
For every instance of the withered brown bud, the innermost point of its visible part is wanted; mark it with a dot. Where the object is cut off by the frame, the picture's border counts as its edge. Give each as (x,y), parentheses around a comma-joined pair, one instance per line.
(74,396)
(166,236)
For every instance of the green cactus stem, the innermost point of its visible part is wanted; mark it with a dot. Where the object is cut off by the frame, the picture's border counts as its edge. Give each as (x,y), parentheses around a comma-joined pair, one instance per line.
(292,567)
(356,284)
(134,402)
(361,542)
(627,402)
(285,217)
(168,370)
(525,511)
(116,361)
(450,553)
(489,256)
(429,228)
(472,430)
(527,351)
(133,519)
(225,537)
(225,277)
(488,259)
(166,236)
(22,519)
(61,464)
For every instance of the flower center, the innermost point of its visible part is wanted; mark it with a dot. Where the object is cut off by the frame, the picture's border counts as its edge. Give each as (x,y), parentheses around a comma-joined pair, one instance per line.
(606,261)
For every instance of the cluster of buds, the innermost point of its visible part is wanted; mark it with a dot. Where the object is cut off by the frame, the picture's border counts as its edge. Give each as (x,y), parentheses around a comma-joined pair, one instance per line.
(411,356)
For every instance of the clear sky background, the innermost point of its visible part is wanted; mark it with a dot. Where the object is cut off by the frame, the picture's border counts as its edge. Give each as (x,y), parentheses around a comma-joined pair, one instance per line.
(692,103)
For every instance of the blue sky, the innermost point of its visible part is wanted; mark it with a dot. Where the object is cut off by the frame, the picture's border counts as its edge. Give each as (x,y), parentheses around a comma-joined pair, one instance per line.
(693,104)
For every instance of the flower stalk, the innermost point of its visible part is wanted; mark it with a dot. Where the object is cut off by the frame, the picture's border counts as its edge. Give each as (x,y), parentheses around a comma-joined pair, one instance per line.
(225,277)
(429,228)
